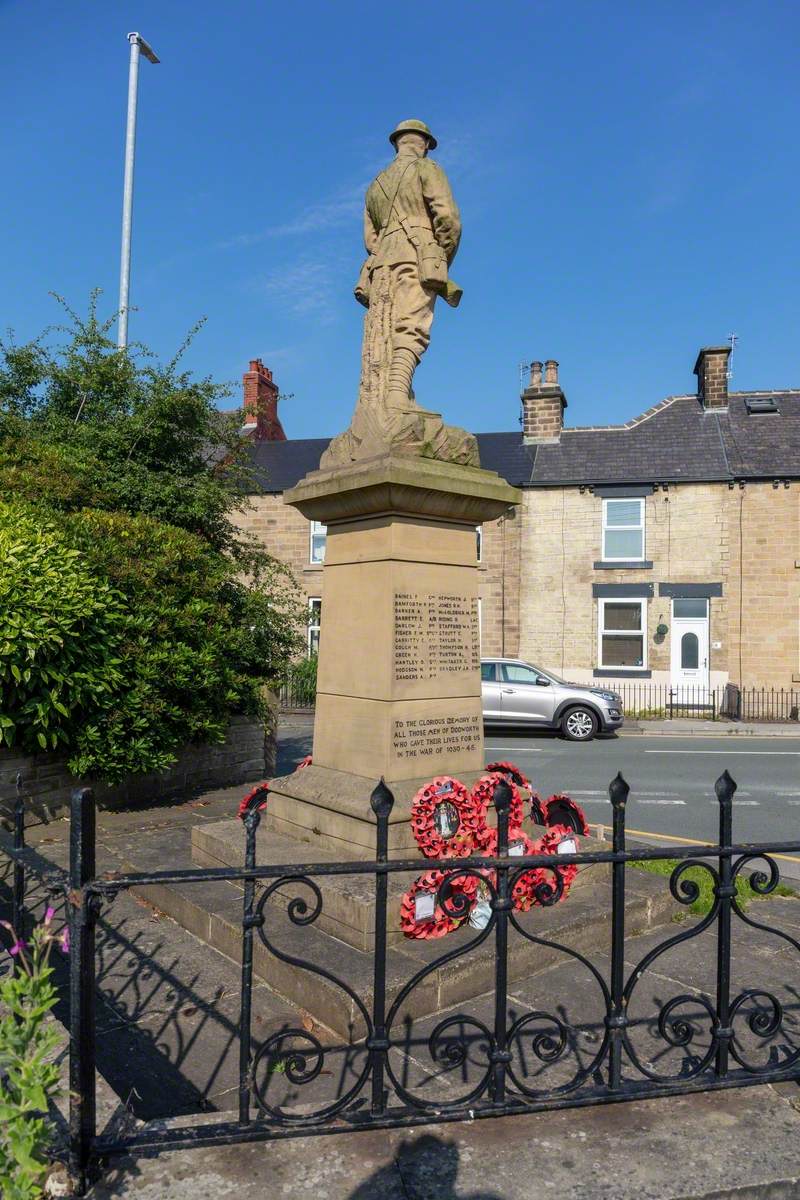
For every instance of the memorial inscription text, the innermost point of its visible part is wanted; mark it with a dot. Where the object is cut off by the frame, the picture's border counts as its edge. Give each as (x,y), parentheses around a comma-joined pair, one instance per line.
(435,633)
(427,737)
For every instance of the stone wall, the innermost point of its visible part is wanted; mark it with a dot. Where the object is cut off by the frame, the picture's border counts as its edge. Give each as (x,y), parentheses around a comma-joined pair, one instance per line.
(248,753)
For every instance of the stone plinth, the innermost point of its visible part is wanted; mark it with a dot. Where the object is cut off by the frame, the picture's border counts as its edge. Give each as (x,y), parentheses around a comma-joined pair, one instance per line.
(398,686)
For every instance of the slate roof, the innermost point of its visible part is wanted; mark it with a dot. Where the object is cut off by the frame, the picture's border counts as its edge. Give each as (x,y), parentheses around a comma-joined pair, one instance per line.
(677,440)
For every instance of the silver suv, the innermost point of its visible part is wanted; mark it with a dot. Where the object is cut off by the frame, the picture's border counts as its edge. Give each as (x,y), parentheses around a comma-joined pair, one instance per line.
(516,693)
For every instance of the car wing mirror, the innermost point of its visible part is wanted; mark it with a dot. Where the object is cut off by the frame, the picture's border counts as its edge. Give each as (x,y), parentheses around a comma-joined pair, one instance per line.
(542,682)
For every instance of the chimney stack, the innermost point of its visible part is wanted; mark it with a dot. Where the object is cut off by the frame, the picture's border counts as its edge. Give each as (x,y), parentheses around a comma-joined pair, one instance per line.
(711,370)
(543,405)
(261,404)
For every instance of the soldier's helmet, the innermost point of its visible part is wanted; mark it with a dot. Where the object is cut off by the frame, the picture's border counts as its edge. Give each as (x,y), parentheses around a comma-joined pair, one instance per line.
(413,127)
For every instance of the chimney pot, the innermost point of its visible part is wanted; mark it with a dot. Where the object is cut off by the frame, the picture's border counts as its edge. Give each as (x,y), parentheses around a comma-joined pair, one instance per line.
(551,373)
(536,375)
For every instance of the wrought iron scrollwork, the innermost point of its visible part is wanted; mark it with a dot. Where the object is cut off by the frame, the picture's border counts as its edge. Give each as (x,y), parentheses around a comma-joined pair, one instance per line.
(276,1057)
(677,1032)
(446,1052)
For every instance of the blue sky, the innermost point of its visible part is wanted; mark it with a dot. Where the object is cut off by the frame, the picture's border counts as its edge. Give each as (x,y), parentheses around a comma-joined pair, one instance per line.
(628,177)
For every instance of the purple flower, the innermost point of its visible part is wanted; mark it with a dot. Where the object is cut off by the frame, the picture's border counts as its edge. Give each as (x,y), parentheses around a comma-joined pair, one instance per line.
(49,913)
(18,946)
(63,941)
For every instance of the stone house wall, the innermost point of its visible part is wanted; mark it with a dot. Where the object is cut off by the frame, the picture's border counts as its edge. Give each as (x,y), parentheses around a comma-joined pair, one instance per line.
(693,533)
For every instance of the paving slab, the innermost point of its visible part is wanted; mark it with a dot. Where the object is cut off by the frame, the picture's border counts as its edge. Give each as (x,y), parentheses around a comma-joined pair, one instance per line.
(735,1145)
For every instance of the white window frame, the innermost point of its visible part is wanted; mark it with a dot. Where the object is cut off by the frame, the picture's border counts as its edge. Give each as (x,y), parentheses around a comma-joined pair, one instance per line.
(602,631)
(316,527)
(606,527)
(313,626)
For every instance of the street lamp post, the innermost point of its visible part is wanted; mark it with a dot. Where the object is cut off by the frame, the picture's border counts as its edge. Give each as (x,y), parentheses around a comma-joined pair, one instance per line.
(138,45)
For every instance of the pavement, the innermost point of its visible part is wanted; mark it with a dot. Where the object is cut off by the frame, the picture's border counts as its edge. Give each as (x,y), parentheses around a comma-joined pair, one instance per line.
(692,727)
(168,1009)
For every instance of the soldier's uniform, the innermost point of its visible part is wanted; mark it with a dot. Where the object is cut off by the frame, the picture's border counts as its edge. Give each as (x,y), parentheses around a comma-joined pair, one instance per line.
(423,208)
(412,228)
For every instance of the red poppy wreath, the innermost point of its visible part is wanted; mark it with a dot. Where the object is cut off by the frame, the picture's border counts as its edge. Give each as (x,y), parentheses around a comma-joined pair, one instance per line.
(548,844)
(421,916)
(482,797)
(255,799)
(559,810)
(444,819)
(511,771)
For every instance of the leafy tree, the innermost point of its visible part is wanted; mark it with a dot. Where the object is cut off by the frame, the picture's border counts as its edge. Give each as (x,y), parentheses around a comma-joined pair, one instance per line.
(136,616)
(91,424)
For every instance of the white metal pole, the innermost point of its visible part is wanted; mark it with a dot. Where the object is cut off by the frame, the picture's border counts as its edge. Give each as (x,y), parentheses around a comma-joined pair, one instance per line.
(127,194)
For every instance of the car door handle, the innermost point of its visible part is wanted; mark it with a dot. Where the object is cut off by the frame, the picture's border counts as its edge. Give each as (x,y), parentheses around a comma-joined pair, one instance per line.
(509,691)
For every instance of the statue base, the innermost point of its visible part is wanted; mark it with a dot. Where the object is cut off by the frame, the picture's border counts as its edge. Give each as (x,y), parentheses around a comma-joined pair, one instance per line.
(398,683)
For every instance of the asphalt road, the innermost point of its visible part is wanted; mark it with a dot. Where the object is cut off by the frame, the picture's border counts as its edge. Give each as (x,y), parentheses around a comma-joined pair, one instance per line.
(671,780)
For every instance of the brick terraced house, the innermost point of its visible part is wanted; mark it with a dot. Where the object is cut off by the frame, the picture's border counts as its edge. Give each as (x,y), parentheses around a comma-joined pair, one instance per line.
(665,549)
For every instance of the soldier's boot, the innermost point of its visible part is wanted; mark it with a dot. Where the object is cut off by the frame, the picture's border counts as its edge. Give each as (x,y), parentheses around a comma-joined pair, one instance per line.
(401,372)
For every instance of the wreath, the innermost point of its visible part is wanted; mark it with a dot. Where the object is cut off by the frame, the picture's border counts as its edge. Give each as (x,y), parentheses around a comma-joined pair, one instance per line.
(511,771)
(428,827)
(440,922)
(304,762)
(527,890)
(482,796)
(255,799)
(559,811)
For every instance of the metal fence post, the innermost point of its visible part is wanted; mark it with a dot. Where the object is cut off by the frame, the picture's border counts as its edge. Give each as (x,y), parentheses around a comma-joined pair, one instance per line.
(83,909)
(618,791)
(18,893)
(252,819)
(500,1056)
(382,803)
(725,788)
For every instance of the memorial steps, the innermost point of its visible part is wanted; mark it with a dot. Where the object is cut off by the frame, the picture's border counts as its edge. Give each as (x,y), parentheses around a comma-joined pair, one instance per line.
(340,940)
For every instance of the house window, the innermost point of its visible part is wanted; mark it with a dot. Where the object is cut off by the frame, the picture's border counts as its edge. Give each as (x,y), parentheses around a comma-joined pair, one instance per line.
(318,536)
(314,622)
(479,538)
(622,626)
(623,530)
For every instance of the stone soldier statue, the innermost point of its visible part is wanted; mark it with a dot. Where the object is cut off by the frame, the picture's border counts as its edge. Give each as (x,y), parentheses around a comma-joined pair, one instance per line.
(412,228)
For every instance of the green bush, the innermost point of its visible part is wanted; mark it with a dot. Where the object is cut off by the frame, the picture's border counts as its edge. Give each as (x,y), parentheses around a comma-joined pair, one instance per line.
(122,638)
(61,634)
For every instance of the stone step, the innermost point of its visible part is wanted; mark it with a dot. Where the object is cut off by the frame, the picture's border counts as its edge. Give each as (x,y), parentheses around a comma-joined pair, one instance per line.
(213,912)
(348,910)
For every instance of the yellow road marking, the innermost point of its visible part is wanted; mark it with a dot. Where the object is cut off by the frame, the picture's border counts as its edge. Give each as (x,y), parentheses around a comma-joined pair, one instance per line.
(670,837)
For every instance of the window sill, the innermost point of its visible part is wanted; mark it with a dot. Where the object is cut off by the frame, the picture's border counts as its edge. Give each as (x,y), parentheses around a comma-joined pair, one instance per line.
(621,673)
(604,565)
(313,566)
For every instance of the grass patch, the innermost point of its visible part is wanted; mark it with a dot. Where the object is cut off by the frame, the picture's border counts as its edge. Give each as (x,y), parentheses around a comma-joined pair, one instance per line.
(705,900)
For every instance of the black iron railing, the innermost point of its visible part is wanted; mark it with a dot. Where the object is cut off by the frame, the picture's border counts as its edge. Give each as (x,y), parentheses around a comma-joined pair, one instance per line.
(642,700)
(506,1064)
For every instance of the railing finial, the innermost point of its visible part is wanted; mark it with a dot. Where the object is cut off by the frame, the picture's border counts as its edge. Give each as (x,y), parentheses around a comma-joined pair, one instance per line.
(618,791)
(725,787)
(382,800)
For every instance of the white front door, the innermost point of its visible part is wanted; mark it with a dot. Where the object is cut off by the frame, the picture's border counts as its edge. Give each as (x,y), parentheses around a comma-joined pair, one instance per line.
(689,649)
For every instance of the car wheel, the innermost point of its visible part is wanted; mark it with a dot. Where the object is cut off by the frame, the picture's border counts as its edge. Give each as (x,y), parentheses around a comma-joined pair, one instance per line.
(579,724)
